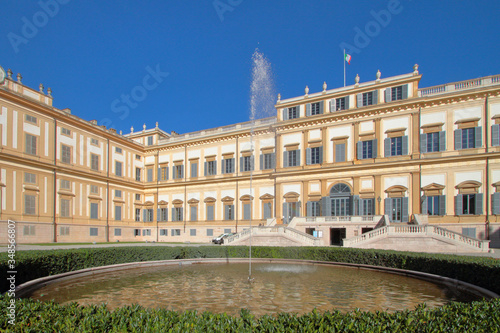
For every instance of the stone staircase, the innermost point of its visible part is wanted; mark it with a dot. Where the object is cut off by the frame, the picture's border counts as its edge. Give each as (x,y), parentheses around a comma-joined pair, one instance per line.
(417,238)
(277,235)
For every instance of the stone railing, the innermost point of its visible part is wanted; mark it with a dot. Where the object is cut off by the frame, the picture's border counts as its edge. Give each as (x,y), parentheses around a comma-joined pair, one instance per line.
(327,219)
(302,237)
(462,85)
(427,230)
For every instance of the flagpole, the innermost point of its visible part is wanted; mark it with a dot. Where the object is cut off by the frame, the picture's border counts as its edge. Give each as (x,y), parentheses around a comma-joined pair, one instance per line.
(344,67)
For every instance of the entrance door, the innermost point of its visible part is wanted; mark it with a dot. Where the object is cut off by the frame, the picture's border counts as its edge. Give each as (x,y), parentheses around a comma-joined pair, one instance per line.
(336,236)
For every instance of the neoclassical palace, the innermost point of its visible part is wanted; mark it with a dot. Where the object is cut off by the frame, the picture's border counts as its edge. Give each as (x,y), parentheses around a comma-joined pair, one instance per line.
(329,163)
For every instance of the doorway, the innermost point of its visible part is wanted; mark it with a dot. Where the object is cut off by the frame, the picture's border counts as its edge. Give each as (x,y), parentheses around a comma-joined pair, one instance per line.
(336,235)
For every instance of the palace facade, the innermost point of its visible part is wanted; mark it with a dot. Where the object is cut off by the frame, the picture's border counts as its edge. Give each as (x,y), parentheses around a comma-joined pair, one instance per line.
(339,158)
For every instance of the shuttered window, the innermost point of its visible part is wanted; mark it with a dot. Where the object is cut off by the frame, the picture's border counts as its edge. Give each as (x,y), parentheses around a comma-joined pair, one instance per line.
(469,204)
(267,161)
(314,155)
(228,212)
(368,98)
(396,146)
(468,138)
(434,205)
(94,210)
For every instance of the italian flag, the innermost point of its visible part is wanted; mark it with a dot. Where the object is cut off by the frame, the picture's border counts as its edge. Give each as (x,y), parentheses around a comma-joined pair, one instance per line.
(348,58)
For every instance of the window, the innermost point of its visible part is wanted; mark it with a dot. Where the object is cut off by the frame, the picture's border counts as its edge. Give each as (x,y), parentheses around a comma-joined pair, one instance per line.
(246,163)
(313,109)
(163,232)
(150,140)
(29,230)
(177,214)
(367,206)
(228,212)
(247,211)
(433,142)
(94,162)
(137,197)
(313,208)
(65,208)
(367,149)
(468,138)
(95,142)
(210,212)
(397,209)
(227,165)
(29,178)
(138,174)
(194,170)
(210,232)
(64,231)
(148,214)
(163,173)
(192,232)
(137,232)
(227,231)
(396,93)
(469,204)
(469,232)
(178,171)
(434,205)
(396,146)
(29,204)
(30,119)
(65,131)
(314,155)
(65,154)
(291,113)
(267,210)
(210,168)
(176,232)
(163,214)
(495,135)
(118,232)
(137,215)
(137,157)
(118,213)
(368,98)
(340,154)
(150,175)
(118,168)
(65,184)
(93,231)
(291,158)
(118,193)
(94,189)
(267,161)
(30,144)
(146,232)
(94,207)
(118,150)
(339,104)
(194,213)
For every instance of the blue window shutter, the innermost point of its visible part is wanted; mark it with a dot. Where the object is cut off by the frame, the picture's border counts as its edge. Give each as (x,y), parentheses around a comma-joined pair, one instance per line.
(308,109)
(495,203)
(194,213)
(205,166)
(332,105)
(375,97)
(215,167)
(478,134)
(298,207)
(355,207)
(308,156)
(359,152)
(158,217)
(285,159)
(404,91)
(479,203)
(174,218)
(182,171)
(495,135)
(405,217)
(210,213)
(387,147)
(388,207)
(321,107)
(423,199)
(261,161)
(442,141)
(297,158)
(144,215)
(340,155)
(359,99)
(159,174)
(309,209)
(321,155)
(285,212)
(388,94)
(458,139)
(273,160)
(267,211)
(193,170)
(241,164)
(404,145)
(226,212)
(346,102)
(442,205)
(246,211)
(223,166)
(361,212)
(285,114)
(459,210)
(374,148)
(423,143)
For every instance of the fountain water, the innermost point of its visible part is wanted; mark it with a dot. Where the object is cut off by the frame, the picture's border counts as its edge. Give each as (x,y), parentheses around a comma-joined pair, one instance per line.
(261,105)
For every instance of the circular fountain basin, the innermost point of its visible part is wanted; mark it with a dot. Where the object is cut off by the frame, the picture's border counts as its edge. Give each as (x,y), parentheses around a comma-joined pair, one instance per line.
(221,285)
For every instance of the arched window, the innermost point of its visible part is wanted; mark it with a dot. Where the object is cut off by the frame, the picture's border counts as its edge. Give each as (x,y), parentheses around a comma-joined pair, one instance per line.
(340,189)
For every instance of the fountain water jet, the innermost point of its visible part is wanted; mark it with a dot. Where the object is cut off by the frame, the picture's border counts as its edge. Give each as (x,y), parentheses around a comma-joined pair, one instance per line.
(261,105)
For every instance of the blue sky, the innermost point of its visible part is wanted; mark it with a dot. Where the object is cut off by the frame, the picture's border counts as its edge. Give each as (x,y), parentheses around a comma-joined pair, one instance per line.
(188,62)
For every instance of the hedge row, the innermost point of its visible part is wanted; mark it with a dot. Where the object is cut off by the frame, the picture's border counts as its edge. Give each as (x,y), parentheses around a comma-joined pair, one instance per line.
(35,316)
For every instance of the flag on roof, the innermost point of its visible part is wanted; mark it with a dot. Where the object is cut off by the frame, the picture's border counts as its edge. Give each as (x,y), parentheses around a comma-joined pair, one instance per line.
(348,58)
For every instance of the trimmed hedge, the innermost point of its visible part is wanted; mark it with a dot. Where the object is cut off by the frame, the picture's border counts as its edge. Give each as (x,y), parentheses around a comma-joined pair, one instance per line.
(35,316)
